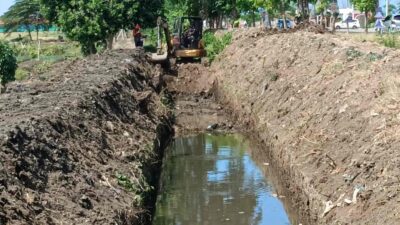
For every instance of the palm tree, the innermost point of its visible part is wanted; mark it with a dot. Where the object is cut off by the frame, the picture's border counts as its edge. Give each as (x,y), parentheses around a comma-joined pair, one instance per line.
(23,13)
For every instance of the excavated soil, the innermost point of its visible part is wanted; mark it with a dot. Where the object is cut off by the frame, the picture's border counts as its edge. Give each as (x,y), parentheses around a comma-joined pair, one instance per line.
(84,145)
(328,113)
(194,102)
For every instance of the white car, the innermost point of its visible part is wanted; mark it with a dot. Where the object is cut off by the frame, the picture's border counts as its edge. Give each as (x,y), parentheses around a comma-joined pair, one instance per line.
(396,20)
(353,24)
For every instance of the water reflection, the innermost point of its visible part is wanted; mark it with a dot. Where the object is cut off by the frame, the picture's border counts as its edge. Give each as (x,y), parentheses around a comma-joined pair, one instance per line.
(211,180)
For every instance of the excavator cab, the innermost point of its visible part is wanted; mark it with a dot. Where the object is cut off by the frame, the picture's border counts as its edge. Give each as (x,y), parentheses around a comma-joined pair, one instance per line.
(185,40)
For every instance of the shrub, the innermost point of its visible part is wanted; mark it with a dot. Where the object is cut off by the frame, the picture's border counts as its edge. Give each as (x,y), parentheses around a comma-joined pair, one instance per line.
(353,53)
(8,64)
(215,45)
(21,74)
(51,50)
(390,40)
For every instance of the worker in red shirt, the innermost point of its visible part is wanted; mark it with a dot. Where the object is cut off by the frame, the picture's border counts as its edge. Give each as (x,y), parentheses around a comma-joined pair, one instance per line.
(137,36)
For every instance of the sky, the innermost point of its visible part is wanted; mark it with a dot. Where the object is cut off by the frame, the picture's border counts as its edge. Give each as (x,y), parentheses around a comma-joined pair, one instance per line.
(5,4)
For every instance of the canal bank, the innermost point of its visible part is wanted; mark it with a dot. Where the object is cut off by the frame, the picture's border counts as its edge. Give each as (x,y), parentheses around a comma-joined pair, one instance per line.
(325,108)
(85,145)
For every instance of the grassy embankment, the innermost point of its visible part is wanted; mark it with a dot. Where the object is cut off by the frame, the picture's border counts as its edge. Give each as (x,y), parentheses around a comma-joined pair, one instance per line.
(391,40)
(34,59)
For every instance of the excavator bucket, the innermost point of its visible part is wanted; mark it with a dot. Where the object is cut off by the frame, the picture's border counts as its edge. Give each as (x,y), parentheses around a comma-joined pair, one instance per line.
(159,58)
(162,50)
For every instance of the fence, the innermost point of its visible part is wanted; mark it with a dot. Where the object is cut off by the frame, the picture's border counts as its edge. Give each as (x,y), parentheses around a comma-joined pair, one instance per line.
(31,28)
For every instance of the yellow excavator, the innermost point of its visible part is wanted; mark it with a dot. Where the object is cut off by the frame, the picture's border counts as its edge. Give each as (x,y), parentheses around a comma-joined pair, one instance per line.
(185,42)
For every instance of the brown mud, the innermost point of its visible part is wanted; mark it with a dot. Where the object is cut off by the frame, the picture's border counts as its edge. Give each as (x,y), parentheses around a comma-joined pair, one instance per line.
(83,146)
(325,110)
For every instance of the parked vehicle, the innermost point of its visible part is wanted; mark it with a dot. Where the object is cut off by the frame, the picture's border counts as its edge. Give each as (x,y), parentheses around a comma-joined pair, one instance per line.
(353,24)
(396,20)
(281,26)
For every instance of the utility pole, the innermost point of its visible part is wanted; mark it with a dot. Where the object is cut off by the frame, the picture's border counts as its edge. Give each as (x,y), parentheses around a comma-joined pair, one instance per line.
(387,7)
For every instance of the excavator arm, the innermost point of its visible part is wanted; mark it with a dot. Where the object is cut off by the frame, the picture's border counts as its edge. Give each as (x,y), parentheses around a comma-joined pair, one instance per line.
(162,26)
(170,50)
(162,55)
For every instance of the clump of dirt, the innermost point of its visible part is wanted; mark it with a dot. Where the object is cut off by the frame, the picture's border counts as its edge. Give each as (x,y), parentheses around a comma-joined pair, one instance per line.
(191,79)
(84,145)
(329,111)
(195,107)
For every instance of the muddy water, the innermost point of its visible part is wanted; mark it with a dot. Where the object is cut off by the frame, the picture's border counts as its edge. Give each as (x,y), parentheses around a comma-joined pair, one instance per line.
(212,180)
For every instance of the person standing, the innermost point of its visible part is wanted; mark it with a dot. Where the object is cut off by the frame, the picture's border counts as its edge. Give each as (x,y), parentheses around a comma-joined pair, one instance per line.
(137,36)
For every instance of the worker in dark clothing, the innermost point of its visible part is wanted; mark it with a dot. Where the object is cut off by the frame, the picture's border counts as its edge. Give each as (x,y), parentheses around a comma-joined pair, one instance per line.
(137,36)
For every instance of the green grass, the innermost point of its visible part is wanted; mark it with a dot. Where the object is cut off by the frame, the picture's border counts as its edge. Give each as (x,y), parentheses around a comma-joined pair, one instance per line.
(215,45)
(150,44)
(44,36)
(50,52)
(54,51)
(390,40)
(21,74)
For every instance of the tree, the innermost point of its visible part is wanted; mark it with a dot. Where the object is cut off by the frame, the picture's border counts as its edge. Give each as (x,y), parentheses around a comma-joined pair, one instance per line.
(175,9)
(248,8)
(148,11)
(91,22)
(24,13)
(321,8)
(281,6)
(303,8)
(8,65)
(365,6)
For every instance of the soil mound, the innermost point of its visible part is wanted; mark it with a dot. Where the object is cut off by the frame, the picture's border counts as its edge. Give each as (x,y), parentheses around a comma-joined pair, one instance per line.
(82,145)
(329,110)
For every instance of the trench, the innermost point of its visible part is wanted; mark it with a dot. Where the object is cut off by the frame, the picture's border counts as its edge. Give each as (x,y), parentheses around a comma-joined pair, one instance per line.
(223,175)
(213,179)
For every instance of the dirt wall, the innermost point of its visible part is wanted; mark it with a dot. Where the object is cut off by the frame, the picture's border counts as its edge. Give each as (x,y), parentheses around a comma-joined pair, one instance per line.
(328,113)
(83,144)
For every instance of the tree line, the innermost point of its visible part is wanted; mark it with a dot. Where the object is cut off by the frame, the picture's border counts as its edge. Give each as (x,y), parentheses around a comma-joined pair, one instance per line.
(97,21)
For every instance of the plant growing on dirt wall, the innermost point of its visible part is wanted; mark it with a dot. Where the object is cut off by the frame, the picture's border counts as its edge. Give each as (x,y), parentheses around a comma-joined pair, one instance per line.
(8,65)
(91,22)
